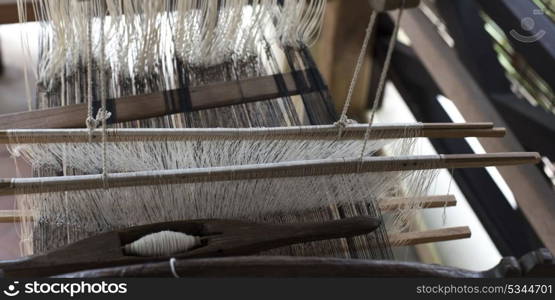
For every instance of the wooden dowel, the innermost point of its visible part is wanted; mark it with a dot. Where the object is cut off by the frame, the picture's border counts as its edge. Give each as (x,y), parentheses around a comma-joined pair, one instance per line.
(324,167)
(15,216)
(430,236)
(421,202)
(158,104)
(49,136)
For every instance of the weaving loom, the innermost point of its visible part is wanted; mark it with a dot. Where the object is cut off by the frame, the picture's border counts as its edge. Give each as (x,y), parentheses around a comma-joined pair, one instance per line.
(212,110)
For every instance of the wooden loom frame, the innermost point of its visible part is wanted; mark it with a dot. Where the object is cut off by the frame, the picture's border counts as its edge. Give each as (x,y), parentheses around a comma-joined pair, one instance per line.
(402,239)
(479,134)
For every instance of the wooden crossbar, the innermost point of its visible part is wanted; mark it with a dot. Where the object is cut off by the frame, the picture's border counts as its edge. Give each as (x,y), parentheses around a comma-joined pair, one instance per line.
(430,236)
(15,216)
(324,167)
(158,104)
(357,131)
(393,204)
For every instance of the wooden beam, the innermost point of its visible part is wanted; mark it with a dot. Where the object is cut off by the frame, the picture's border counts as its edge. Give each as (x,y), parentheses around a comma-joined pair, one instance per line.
(321,132)
(15,216)
(337,52)
(532,192)
(9,13)
(323,167)
(157,104)
(430,236)
(422,202)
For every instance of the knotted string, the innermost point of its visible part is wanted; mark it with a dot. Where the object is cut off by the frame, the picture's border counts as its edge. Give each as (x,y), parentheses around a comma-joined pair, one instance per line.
(103,115)
(383,77)
(344,120)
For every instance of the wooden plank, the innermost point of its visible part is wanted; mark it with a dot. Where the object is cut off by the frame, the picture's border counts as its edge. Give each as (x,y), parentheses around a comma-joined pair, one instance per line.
(430,236)
(338,50)
(532,192)
(422,202)
(157,104)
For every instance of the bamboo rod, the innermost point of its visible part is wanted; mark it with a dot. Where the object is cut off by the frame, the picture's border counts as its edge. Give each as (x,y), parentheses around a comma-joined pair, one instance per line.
(16,216)
(324,167)
(430,236)
(379,131)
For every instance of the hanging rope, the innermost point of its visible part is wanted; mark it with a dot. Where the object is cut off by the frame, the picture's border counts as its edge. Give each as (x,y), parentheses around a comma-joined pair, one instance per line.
(383,77)
(343,120)
(103,114)
(91,122)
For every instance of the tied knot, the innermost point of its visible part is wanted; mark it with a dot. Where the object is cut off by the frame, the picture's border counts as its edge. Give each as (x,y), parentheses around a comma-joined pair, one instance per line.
(101,116)
(342,124)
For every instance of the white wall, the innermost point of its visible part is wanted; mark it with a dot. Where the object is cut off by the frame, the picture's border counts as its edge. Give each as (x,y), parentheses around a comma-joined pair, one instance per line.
(475,253)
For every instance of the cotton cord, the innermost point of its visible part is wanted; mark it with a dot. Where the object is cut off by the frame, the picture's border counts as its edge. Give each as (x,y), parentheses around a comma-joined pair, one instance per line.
(91,121)
(173,268)
(383,77)
(343,120)
(105,113)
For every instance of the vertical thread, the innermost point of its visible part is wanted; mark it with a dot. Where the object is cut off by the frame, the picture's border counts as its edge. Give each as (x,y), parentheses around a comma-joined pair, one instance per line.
(383,77)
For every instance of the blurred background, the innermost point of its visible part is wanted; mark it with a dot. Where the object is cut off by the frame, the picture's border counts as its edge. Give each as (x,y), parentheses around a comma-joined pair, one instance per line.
(454,61)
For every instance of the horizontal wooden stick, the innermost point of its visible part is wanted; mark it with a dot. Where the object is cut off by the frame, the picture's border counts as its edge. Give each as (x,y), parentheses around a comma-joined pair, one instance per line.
(393,204)
(430,236)
(158,104)
(378,131)
(15,216)
(324,167)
